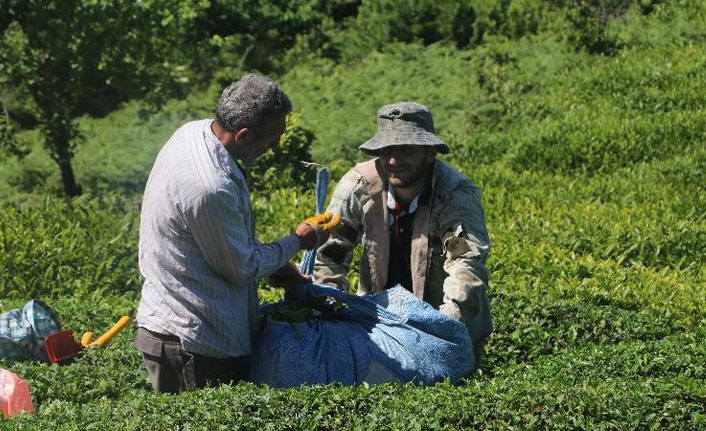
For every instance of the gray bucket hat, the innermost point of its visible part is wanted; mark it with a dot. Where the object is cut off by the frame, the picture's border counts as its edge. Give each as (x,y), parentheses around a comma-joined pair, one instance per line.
(404,123)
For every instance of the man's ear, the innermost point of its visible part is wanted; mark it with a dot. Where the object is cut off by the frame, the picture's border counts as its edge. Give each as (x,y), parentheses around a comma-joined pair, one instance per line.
(431,155)
(242,135)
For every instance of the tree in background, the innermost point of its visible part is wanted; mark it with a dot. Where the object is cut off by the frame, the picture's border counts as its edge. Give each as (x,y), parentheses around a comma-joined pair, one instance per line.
(247,35)
(67,58)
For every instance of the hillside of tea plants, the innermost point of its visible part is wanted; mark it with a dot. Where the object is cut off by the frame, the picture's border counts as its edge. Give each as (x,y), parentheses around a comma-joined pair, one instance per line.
(584,124)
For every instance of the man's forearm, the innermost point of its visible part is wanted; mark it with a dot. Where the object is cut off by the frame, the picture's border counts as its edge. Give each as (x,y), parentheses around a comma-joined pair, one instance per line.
(266,258)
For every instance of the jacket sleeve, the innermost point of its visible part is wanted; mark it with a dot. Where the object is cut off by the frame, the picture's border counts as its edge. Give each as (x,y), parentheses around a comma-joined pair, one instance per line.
(334,257)
(466,246)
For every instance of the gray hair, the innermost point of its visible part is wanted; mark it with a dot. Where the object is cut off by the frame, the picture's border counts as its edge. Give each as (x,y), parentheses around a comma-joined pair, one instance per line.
(251,102)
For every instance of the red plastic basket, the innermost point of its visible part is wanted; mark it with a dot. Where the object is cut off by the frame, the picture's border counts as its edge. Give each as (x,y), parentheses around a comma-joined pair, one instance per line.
(14,394)
(61,346)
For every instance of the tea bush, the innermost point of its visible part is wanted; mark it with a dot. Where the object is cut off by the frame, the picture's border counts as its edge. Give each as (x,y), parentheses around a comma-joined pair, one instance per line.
(56,246)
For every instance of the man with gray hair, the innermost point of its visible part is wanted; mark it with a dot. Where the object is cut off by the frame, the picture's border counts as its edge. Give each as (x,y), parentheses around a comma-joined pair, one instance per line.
(420,222)
(198,252)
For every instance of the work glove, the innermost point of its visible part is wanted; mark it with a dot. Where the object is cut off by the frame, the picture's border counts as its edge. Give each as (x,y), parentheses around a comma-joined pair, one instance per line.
(315,230)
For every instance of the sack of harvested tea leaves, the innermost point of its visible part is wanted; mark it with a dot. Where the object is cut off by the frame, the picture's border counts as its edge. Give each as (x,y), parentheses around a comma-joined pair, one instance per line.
(327,336)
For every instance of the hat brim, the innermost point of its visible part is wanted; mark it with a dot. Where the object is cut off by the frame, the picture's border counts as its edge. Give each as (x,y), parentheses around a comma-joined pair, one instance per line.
(393,138)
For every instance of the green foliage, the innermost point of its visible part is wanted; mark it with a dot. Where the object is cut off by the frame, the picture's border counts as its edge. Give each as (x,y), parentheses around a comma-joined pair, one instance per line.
(296,312)
(522,397)
(278,212)
(84,57)
(119,149)
(339,103)
(421,21)
(588,20)
(283,167)
(571,112)
(55,247)
(246,35)
(8,141)
(117,153)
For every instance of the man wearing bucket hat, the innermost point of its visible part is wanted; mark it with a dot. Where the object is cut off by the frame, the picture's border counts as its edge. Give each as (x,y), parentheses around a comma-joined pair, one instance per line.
(420,222)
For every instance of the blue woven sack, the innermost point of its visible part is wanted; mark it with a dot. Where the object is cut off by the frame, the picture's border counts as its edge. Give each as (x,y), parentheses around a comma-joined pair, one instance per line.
(23,330)
(391,336)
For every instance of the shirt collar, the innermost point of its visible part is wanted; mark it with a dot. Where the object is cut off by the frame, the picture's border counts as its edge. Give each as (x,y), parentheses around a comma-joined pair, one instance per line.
(391,202)
(231,167)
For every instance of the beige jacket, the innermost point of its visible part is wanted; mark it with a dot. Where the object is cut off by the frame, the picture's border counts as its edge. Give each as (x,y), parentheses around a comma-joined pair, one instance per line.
(450,243)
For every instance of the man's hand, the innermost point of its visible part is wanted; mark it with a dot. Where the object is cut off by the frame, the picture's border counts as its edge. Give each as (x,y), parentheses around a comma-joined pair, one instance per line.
(287,276)
(315,230)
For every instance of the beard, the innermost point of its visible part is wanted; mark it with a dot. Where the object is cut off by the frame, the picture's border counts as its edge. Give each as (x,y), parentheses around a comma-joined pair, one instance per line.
(408,177)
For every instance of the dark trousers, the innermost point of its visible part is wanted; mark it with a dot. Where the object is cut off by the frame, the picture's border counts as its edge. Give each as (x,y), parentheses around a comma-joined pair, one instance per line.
(172,369)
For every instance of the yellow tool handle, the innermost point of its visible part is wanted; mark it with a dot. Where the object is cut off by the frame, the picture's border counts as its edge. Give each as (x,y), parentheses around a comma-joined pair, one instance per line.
(86,339)
(122,323)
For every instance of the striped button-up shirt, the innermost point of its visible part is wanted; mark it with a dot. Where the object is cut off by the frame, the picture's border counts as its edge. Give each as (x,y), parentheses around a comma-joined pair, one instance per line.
(198,252)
